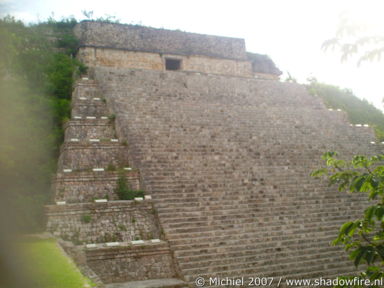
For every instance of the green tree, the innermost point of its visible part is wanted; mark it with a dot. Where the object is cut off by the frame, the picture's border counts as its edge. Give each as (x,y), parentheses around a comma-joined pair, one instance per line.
(356,39)
(362,238)
(37,71)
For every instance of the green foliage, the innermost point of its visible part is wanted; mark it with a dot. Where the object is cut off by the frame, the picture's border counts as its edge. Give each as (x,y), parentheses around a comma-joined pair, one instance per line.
(111,167)
(356,39)
(122,227)
(86,218)
(37,70)
(363,238)
(359,111)
(112,117)
(124,191)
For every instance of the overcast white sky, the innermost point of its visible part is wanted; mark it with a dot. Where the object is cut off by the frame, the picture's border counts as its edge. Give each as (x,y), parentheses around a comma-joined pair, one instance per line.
(290,32)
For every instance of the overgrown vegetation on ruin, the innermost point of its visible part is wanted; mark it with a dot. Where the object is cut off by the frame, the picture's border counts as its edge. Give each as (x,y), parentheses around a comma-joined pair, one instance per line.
(124,190)
(359,111)
(37,68)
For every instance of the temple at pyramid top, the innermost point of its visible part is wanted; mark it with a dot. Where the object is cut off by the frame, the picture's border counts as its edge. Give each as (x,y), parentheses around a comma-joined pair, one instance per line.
(133,46)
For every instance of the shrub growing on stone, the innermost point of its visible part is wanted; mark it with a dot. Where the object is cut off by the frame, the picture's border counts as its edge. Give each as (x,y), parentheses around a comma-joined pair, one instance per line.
(86,218)
(124,191)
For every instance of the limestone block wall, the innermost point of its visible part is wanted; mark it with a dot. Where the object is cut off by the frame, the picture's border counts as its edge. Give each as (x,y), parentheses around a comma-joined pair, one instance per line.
(120,58)
(139,38)
(88,89)
(217,66)
(88,129)
(129,46)
(227,162)
(145,60)
(77,187)
(103,222)
(86,208)
(85,156)
(92,109)
(130,263)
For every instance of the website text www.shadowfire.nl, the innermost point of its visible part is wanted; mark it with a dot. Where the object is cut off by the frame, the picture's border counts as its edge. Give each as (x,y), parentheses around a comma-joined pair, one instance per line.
(281,282)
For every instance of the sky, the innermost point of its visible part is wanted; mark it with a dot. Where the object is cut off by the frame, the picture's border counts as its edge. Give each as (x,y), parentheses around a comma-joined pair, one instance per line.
(290,32)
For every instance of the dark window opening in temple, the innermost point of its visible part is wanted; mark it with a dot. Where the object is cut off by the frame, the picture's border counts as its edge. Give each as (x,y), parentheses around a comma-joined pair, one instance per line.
(172,64)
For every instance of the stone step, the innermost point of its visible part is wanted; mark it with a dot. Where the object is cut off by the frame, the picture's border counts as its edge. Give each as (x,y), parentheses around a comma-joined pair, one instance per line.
(265,253)
(252,200)
(194,235)
(183,219)
(198,209)
(193,243)
(222,234)
(248,245)
(265,266)
(258,258)
(226,214)
(153,283)
(247,222)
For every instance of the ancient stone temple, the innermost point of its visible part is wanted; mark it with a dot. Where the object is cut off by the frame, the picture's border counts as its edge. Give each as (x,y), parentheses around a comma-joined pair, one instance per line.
(215,153)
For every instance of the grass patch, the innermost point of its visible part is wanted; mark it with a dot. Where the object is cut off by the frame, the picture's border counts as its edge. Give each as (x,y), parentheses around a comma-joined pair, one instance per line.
(51,267)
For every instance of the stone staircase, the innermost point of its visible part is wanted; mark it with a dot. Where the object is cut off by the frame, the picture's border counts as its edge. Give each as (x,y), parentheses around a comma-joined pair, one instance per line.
(120,241)
(227,162)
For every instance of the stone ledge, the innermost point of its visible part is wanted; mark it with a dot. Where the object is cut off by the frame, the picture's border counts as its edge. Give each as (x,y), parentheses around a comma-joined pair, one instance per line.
(130,244)
(90,176)
(103,207)
(89,82)
(99,34)
(87,122)
(90,143)
(153,283)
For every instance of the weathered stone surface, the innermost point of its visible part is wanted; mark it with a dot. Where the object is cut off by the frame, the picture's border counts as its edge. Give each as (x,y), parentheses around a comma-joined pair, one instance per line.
(90,109)
(86,186)
(81,156)
(87,129)
(227,162)
(151,61)
(131,263)
(139,38)
(136,47)
(94,160)
(103,222)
